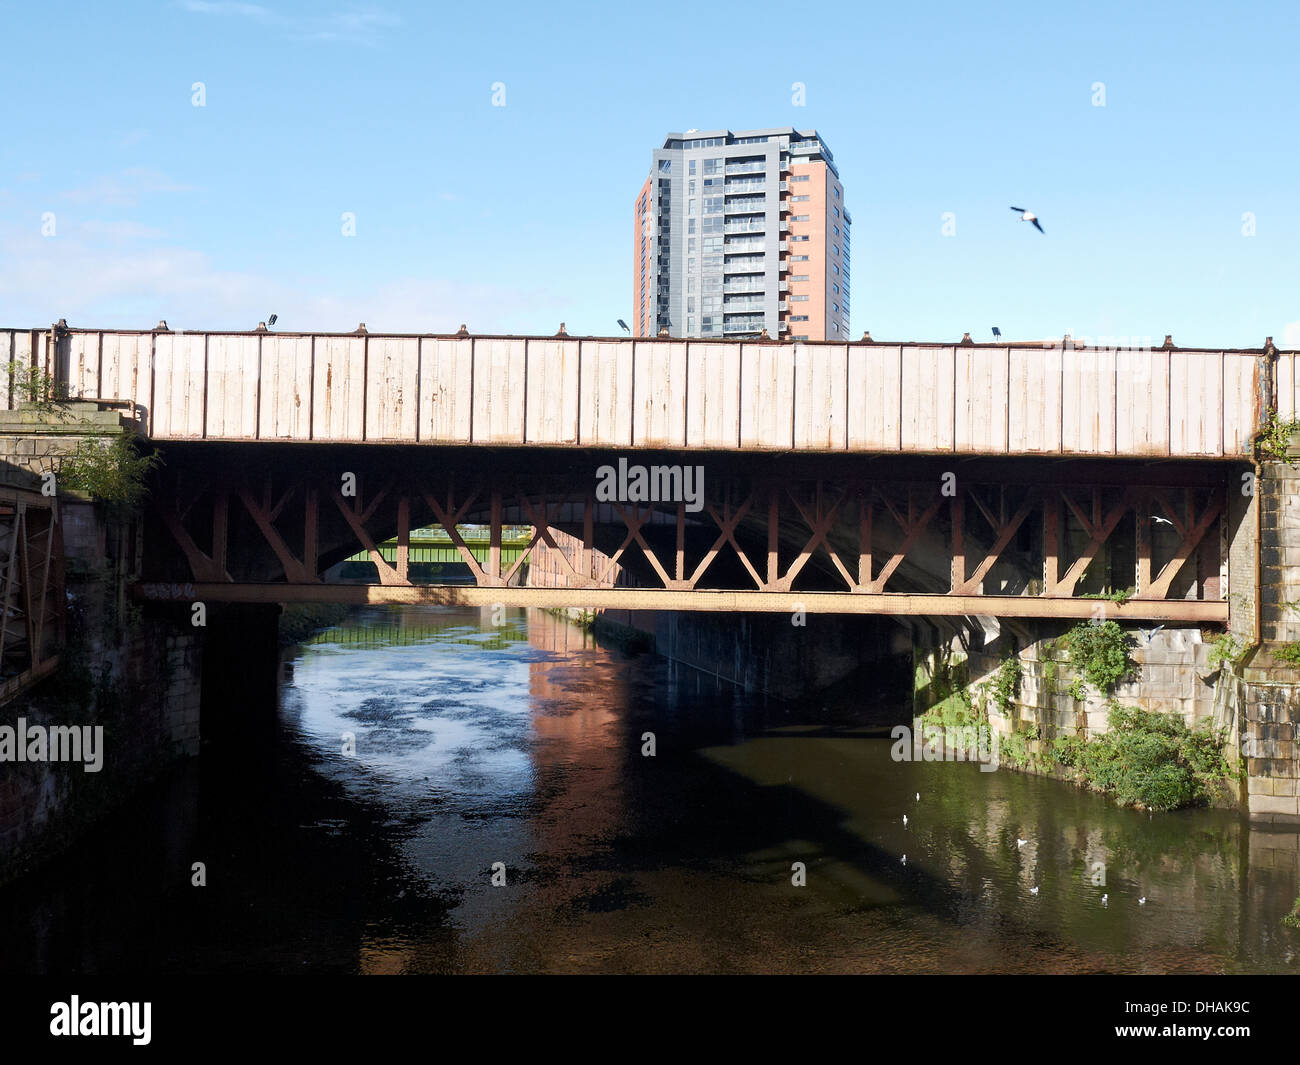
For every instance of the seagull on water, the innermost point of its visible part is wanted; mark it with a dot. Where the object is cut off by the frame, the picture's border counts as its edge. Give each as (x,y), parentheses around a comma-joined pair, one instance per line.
(1020,843)
(1105,899)
(1029,216)
(1142,901)
(1033,891)
(918,796)
(904,859)
(904,820)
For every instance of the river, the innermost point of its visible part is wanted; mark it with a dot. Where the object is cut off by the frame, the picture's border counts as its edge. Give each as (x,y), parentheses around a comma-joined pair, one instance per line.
(522,744)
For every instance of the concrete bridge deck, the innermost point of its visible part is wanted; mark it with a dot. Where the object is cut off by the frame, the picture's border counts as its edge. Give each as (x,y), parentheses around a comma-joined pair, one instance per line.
(561,391)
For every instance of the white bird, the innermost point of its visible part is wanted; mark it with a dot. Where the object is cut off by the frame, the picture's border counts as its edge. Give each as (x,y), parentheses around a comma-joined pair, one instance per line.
(1148,633)
(1033,891)
(918,796)
(1029,216)
(904,820)
(1142,901)
(1020,843)
(1105,899)
(1160,521)
(904,859)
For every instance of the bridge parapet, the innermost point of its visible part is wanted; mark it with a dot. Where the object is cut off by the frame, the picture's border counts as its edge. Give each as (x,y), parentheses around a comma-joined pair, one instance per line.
(870,398)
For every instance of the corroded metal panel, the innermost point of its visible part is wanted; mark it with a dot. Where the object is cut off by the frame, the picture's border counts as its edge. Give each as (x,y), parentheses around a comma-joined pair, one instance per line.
(981,400)
(338,388)
(1088,402)
(392,382)
(285,411)
(446,375)
(875,411)
(233,382)
(821,397)
(659,380)
(1196,403)
(605,394)
(928,395)
(553,392)
(499,394)
(713,395)
(179,388)
(767,396)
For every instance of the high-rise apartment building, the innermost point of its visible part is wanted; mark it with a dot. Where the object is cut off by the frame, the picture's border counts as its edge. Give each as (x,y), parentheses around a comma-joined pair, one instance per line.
(741,232)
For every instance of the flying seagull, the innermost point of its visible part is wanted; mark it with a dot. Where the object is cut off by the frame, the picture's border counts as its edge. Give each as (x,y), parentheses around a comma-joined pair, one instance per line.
(1160,521)
(1105,899)
(1029,216)
(1148,633)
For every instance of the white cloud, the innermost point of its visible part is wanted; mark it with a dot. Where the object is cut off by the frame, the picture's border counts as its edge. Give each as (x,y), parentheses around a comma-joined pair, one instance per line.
(114,285)
(1291,336)
(125,188)
(356,25)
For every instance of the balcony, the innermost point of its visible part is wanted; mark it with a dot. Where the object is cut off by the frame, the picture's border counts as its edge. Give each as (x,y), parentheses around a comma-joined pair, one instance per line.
(739,306)
(745,206)
(746,185)
(756,226)
(746,168)
(751,283)
(783,246)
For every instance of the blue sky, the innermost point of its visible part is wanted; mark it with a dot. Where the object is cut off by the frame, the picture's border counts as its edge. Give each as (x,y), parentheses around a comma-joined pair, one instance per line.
(515,218)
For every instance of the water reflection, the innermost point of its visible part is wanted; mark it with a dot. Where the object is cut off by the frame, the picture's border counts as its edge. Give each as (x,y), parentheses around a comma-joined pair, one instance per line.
(520,743)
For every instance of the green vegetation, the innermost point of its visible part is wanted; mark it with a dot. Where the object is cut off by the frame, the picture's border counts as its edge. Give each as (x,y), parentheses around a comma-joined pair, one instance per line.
(108,470)
(1120,597)
(1225,649)
(1099,655)
(1274,439)
(1288,653)
(1005,685)
(37,389)
(1292,919)
(1149,760)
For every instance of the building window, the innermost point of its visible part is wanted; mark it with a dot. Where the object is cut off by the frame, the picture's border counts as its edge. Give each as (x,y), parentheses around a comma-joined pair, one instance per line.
(835,268)
(665,166)
(837,192)
(690,187)
(835,326)
(835,248)
(836,210)
(802,218)
(804,237)
(799,277)
(798,299)
(835,308)
(799,199)
(836,228)
(798,318)
(690,206)
(836,289)
(798,258)
(800,177)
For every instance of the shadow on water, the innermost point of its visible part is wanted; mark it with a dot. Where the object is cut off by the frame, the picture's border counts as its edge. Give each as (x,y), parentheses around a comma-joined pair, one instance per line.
(515,751)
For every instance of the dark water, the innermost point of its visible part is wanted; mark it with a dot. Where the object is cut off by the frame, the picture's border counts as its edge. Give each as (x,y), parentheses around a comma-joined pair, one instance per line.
(522,745)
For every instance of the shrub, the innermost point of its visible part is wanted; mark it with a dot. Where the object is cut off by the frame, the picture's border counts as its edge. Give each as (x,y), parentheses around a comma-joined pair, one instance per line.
(1099,655)
(1150,760)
